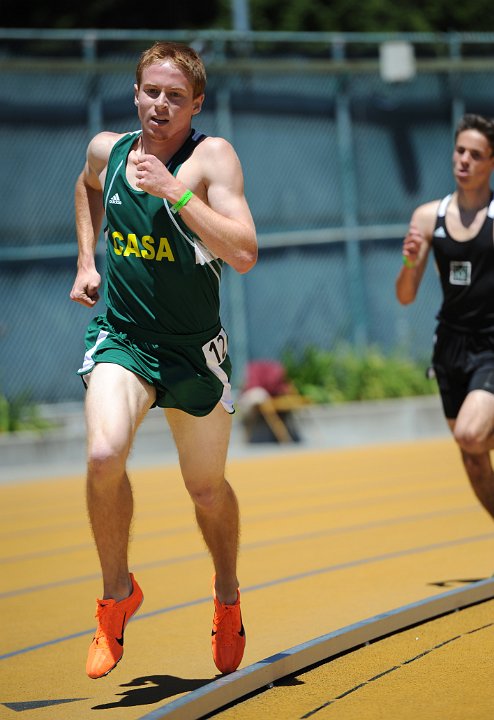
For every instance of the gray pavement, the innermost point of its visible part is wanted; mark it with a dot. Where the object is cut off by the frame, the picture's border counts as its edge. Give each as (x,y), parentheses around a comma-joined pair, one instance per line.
(26,456)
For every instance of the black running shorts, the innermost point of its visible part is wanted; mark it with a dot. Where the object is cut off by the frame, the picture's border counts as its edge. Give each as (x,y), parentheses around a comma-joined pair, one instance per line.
(462,362)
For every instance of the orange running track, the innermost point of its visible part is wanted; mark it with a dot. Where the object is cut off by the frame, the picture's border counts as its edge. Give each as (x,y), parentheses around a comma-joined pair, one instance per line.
(329,538)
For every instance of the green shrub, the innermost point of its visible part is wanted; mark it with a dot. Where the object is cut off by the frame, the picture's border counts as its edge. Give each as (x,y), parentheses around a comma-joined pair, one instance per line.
(347,375)
(19,413)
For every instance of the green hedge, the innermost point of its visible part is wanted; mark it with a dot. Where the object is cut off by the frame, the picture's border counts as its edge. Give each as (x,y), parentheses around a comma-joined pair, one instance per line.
(19,413)
(347,375)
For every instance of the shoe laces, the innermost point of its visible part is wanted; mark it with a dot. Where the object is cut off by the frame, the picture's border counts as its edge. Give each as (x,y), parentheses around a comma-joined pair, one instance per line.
(224,620)
(108,617)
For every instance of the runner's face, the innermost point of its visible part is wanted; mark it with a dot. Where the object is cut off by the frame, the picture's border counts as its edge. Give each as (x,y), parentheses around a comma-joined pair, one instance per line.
(165,101)
(473,161)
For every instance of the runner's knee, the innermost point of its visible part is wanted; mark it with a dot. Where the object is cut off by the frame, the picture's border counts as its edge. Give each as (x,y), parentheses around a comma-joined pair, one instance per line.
(104,461)
(207,494)
(469,440)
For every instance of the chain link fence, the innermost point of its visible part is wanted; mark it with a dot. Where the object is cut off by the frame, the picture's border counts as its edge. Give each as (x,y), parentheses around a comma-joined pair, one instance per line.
(335,160)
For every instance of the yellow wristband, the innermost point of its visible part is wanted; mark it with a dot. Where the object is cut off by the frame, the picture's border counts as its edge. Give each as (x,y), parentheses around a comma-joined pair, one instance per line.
(183,201)
(407,262)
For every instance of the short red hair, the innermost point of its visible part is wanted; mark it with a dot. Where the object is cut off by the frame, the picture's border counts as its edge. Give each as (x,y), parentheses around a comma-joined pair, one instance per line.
(182,56)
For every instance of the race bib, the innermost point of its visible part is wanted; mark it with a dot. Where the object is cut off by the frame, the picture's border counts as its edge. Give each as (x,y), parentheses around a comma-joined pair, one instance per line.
(460,273)
(215,350)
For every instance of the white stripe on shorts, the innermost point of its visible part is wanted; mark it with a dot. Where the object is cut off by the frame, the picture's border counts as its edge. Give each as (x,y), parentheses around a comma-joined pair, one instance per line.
(88,362)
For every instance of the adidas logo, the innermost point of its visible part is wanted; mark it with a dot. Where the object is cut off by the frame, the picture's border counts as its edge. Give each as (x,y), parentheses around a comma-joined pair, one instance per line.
(115,200)
(440,232)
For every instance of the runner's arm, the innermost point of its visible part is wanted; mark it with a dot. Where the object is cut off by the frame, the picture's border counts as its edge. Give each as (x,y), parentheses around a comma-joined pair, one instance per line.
(416,248)
(89,215)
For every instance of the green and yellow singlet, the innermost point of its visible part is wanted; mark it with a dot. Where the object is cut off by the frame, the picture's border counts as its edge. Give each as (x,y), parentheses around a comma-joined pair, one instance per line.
(162,282)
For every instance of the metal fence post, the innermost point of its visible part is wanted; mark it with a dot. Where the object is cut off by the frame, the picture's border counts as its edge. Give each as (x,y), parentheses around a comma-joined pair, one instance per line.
(358,311)
(238,333)
(94,104)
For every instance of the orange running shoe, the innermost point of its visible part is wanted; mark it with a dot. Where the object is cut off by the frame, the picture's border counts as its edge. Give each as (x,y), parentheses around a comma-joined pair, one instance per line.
(227,635)
(106,648)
